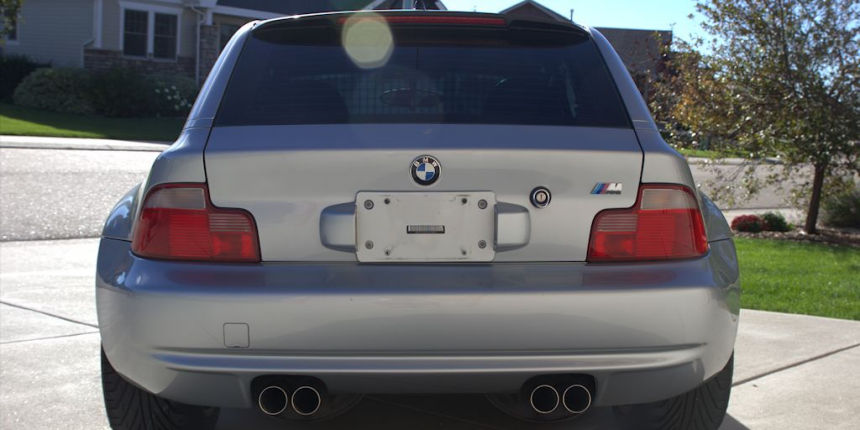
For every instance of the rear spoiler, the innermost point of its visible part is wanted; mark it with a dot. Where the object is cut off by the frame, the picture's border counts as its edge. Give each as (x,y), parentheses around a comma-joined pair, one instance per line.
(430,18)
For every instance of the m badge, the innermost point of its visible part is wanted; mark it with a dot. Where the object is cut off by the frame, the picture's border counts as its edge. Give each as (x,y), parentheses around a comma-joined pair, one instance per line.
(607,188)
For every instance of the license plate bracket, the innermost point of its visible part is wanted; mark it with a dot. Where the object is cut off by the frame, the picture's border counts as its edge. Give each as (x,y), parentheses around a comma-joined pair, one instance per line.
(413,227)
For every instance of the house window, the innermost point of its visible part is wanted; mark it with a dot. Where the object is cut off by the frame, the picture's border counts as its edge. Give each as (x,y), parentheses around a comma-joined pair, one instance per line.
(135,33)
(164,44)
(225,32)
(150,34)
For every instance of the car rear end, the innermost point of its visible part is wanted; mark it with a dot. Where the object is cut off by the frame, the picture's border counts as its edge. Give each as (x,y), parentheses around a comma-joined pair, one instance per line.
(418,203)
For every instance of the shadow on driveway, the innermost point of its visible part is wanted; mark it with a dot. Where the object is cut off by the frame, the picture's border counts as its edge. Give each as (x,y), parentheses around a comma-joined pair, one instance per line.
(419,412)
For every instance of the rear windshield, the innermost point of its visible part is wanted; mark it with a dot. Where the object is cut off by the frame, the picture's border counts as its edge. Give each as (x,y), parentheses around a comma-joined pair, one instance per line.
(318,74)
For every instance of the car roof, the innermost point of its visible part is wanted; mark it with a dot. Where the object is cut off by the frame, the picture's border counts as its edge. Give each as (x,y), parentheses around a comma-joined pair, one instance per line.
(536,23)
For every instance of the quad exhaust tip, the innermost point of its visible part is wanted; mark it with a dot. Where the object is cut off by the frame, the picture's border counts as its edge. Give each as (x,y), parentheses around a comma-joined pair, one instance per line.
(273,400)
(576,399)
(306,400)
(544,399)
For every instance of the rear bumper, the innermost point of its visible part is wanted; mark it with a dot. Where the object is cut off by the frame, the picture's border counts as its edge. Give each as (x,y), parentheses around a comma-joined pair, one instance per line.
(644,331)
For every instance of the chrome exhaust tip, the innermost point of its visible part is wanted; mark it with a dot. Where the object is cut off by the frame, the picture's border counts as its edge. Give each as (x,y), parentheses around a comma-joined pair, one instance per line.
(576,399)
(544,399)
(273,400)
(306,400)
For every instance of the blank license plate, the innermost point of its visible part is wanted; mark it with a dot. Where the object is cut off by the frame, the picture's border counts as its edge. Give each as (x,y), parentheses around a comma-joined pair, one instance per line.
(429,227)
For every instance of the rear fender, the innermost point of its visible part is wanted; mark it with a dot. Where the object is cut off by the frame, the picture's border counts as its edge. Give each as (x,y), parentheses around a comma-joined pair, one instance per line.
(181,162)
(121,219)
(715,222)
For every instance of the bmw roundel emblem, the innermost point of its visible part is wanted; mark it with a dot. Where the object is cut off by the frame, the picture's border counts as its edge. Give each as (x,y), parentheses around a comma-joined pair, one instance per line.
(426,170)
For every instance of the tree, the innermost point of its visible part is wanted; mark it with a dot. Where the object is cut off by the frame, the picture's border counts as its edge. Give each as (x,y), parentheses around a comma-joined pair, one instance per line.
(777,77)
(8,15)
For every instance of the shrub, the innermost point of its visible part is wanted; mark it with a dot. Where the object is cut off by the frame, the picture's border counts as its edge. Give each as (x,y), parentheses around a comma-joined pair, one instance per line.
(57,90)
(171,95)
(121,92)
(748,223)
(13,69)
(842,209)
(775,222)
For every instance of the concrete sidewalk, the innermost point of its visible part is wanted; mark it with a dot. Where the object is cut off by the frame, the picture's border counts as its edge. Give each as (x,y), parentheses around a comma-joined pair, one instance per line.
(791,371)
(37,142)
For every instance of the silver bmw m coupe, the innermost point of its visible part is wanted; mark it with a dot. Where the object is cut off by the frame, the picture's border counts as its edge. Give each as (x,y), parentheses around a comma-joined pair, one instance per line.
(417,202)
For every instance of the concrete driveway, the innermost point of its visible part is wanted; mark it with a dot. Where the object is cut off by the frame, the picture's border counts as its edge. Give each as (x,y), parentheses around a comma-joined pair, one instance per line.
(792,371)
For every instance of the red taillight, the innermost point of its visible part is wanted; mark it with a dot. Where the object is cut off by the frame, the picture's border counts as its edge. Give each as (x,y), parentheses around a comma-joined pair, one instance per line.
(664,224)
(449,20)
(178,222)
(456,20)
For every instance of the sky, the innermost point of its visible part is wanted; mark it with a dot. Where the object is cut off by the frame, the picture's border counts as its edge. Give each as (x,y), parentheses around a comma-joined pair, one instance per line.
(645,14)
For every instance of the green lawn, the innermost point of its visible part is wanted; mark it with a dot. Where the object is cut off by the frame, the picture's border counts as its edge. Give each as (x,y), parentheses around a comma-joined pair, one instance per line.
(800,277)
(16,120)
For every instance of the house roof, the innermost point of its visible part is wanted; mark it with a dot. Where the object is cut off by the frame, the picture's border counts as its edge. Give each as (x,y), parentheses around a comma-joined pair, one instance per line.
(296,7)
(533,10)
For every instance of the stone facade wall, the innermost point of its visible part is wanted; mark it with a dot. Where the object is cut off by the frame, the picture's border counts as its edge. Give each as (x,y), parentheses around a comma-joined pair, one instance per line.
(209,49)
(103,59)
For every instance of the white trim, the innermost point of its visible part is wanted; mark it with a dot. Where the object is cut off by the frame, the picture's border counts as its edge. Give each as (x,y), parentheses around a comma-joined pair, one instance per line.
(98,23)
(440,5)
(245,13)
(150,10)
(149,7)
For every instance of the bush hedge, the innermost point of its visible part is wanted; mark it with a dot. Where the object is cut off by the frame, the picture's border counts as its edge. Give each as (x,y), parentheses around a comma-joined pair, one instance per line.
(842,209)
(119,92)
(13,69)
(171,95)
(56,90)
(775,222)
(748,223)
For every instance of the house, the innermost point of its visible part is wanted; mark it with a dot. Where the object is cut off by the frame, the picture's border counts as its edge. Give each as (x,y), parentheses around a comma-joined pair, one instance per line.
(641,50)
(186,36)
(173,36)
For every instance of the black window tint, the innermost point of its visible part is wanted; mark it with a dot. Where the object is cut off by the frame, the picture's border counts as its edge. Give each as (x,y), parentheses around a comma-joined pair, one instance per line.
(290,76)
(164,43)
(135,33)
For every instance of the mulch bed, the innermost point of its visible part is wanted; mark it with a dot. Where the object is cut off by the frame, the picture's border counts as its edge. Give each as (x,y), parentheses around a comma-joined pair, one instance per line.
(833,236)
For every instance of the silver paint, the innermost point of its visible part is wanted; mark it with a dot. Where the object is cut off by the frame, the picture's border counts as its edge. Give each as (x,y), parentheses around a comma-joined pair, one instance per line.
(645,331)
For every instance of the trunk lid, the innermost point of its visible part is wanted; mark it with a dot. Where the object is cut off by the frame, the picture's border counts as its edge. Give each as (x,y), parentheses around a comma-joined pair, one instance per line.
(286,176)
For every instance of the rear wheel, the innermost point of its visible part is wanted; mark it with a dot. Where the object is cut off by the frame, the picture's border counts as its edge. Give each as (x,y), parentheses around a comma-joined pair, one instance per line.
(130,408)
(702,408)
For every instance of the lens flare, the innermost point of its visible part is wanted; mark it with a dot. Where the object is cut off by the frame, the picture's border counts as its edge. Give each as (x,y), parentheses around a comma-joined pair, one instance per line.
(367,40)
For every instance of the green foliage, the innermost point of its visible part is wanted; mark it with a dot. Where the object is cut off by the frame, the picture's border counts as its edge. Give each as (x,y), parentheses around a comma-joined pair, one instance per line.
(843,209)
(56,90)
(775,222)
(778,78)
(13,69)
(8,12)
(121,92)
(171,95)
(125,92)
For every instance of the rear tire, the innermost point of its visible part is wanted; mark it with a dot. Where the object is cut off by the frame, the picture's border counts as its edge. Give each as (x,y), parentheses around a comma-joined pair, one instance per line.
(131,408)
(702,408)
